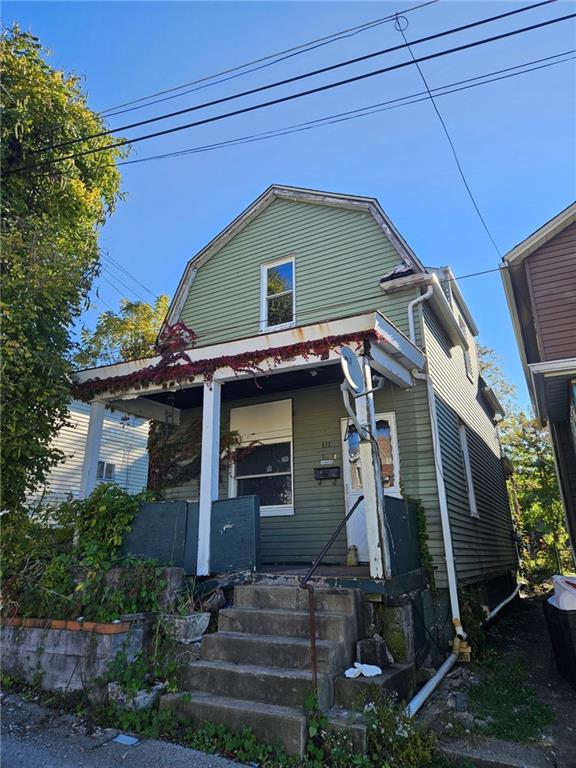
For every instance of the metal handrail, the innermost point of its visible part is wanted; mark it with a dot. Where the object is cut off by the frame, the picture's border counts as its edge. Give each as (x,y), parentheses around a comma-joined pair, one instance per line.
(310,589)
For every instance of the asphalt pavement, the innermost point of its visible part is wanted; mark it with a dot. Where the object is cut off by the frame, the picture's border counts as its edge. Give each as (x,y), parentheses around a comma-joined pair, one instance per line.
(33,736)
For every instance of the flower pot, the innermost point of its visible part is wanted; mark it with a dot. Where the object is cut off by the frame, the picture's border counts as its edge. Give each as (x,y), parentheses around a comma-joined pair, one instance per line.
(30,623)
(88,626)
(58,624)
(186,629)
(12,621)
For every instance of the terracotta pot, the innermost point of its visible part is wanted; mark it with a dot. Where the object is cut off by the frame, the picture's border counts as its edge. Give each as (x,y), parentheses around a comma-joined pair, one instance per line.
(12,621)
(111,629)
(88,626)
(73,626)
(58,624)
(31,623)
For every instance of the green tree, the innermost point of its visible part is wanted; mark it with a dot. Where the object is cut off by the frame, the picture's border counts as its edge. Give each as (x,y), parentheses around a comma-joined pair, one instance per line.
(51,216)
(126,335)
(532,485)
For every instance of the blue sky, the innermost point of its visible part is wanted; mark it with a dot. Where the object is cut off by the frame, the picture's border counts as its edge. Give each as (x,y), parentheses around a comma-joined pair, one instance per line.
(515,138)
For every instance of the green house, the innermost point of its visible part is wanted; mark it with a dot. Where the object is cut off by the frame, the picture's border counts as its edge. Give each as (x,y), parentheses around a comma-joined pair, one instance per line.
(273,298)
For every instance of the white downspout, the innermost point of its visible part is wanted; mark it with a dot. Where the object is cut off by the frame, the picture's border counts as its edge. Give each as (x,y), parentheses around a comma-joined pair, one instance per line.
(498,608)
(418,701)
(413,303)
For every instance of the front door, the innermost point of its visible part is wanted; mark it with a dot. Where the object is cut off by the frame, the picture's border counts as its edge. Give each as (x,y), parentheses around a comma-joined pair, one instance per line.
(352,471)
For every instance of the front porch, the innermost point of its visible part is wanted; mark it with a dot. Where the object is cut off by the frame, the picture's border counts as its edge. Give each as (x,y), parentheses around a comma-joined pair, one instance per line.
(303,461)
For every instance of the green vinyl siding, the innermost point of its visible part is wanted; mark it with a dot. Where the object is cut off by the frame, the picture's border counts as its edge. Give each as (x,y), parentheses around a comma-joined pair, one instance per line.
(339,254)
(319,506)
(483,546)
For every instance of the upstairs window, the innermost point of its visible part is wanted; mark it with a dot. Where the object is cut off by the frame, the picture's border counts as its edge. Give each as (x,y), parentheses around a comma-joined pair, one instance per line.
(277,295)
(467,356)
(468,470)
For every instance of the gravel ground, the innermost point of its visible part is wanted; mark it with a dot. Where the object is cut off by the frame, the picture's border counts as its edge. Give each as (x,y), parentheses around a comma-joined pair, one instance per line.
(36,737)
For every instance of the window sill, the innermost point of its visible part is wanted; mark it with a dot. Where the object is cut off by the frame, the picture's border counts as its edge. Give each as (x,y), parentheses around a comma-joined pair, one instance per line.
(276,511)
(273,328)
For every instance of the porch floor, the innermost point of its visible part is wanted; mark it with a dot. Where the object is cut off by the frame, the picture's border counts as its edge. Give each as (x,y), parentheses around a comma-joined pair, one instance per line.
(357,571)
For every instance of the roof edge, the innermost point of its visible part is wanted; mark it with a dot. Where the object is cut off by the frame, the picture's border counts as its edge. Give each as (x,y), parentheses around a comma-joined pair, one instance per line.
(541,236)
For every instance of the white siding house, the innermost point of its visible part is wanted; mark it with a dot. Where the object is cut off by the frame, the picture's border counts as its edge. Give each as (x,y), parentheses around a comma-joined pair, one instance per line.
(123,454)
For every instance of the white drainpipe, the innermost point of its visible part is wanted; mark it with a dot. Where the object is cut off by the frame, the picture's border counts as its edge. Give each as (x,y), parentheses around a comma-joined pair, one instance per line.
(501,605)
(413,303)
(418,701)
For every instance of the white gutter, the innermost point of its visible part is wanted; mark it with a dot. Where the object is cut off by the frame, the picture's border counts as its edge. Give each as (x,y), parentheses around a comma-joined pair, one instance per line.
(411,305)
(501,605)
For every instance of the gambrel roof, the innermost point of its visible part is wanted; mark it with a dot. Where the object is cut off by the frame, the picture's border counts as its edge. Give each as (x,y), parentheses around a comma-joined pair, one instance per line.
(351,202)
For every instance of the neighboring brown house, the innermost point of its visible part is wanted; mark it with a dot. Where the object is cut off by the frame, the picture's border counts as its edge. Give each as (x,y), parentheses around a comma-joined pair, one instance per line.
(539,278)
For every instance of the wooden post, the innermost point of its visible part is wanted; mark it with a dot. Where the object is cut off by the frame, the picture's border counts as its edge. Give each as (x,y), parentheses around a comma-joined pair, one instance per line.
(209,469)
(92,448)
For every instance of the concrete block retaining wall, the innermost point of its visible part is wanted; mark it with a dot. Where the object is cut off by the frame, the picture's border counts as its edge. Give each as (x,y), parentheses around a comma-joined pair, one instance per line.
(66,659)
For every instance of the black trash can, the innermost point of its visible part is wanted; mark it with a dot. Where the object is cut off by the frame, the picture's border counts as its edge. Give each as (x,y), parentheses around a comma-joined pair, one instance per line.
(562,629)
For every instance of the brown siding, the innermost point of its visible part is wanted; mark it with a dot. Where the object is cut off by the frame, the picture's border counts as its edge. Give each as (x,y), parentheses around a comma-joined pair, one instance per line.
(551,273)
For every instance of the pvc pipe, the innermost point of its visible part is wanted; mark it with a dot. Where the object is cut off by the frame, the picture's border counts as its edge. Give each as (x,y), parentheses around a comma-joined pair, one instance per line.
(501,605)
(419,700)
(411,305)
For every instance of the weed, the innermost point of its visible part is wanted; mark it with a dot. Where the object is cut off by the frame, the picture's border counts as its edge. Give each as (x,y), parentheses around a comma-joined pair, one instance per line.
(507,701)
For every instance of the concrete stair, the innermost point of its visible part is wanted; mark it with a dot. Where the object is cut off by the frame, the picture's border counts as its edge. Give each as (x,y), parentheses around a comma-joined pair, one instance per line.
(255,671)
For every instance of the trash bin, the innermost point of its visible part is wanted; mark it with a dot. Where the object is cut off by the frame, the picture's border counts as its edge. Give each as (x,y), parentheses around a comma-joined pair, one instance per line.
(562,629)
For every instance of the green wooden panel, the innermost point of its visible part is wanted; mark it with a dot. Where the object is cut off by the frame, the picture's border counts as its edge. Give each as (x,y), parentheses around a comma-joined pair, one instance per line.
(340,256)
(483,547)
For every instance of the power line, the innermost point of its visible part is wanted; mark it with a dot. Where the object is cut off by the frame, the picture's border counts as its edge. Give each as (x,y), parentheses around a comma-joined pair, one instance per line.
(129,274)
(296,78)
(292,96)
(360,112)
(291,52)
(398,26)
(122,283)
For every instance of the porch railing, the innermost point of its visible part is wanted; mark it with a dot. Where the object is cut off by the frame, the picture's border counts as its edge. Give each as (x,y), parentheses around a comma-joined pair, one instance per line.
(304,584)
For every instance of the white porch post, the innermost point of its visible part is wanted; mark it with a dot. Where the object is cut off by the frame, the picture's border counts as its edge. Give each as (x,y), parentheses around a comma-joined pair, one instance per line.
(209,468)
(92,448)
(378,549)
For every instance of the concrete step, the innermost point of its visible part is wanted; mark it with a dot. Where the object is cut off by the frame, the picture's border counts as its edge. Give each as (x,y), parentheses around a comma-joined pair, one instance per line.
(329,626)
(273,685)
(352,722)
(396,677)
(271,723)
(294,598)
(275,651)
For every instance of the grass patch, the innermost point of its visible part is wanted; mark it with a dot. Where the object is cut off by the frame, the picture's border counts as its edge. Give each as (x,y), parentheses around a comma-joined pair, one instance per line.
(506,700)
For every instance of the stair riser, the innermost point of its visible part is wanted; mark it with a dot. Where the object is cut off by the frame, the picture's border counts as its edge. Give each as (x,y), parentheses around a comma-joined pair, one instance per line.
(339,628)
(293,598)
(270,727)
(398,678)
(251,647)
(279,689)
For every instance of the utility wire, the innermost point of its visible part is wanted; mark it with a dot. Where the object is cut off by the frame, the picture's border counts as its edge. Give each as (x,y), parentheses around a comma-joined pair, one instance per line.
(360,112)
(293,79)
(399,26)
(291,52)
(129,274)
(119,280)
(300,94)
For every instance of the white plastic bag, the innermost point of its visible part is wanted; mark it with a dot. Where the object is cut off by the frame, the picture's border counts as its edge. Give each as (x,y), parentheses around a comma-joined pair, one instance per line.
(368,670)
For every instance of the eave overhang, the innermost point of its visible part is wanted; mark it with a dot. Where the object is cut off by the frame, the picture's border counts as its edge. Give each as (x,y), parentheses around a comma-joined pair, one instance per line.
(394,354)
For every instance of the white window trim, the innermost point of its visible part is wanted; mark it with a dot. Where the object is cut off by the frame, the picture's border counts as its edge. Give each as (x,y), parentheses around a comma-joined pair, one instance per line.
(264,327)
(468,367)
(106,464)
(468,470)
(390,417)
(272,510)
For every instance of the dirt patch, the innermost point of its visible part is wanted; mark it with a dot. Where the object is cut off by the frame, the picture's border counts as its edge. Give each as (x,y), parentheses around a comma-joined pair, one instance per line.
(515,693)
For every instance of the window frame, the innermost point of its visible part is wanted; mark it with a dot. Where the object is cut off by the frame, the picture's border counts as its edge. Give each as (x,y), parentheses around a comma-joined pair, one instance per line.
(271,510)
(264,327)
(468,470)
(467,354)
(105,464)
